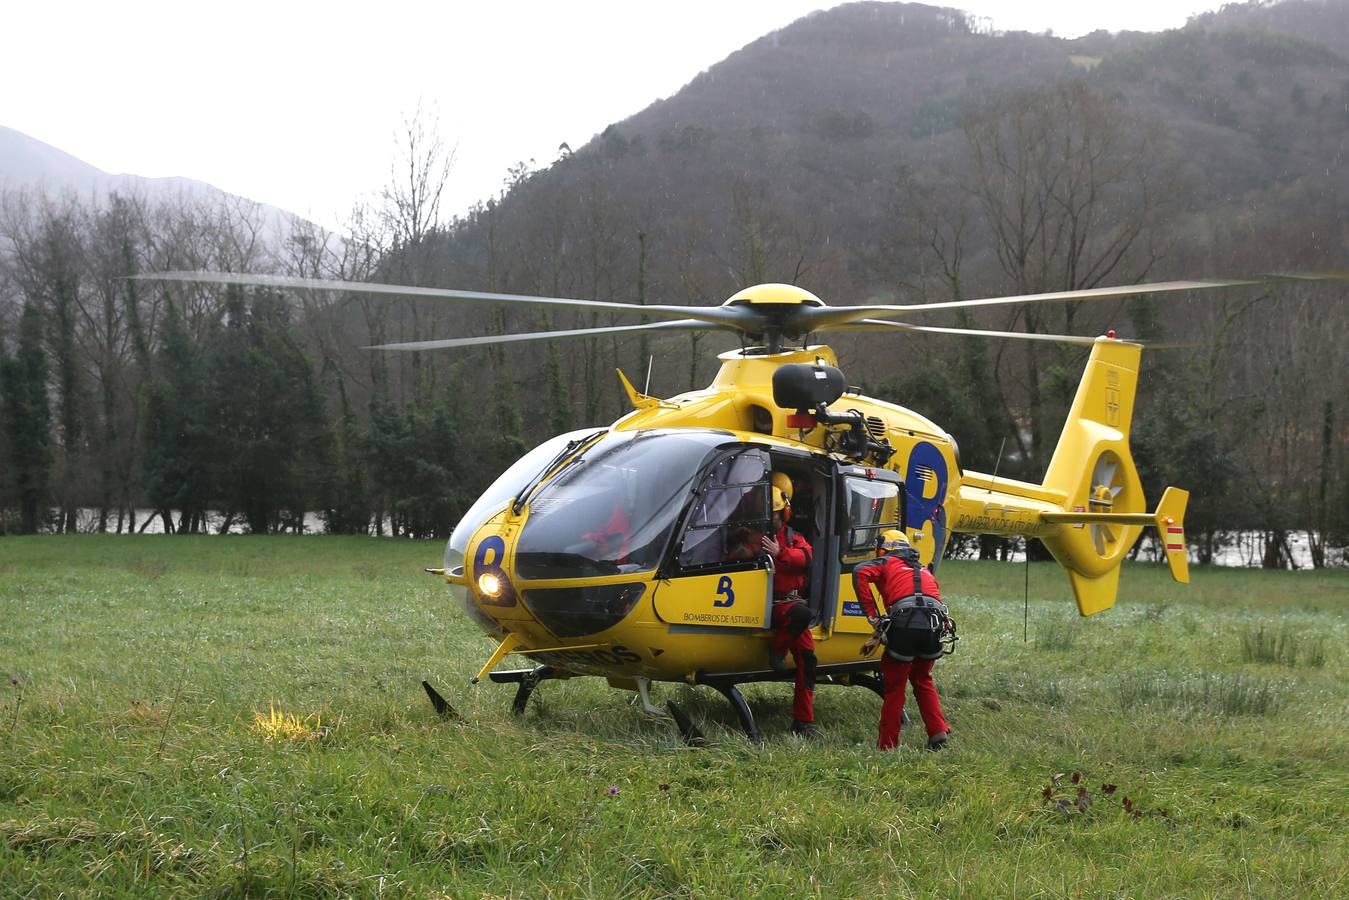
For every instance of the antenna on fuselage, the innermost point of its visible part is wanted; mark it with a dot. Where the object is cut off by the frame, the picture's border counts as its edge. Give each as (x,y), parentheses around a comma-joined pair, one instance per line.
(994,479)
(646,389)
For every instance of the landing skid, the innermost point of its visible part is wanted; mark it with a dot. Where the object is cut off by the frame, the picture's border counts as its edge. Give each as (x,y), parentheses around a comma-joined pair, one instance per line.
(439,703)
(862,674)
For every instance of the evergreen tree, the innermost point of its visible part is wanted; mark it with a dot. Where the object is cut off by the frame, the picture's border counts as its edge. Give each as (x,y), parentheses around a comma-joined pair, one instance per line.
(269,446)
(413,458)
(347,510)
(27,420)
(388,451)
(429,504)
(177,442)
(58,263)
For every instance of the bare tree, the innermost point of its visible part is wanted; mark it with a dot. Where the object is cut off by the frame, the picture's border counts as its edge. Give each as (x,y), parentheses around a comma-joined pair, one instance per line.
(409,214)
(411,200)
(1065,180)
(766,243)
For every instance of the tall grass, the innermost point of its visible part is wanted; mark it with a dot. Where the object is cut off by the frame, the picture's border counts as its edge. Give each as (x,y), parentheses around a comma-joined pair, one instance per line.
(1057,634)
(1221,694)
(1283,645)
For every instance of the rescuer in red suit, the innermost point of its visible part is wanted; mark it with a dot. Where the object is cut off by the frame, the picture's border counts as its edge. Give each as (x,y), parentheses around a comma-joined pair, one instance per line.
(791,616)
(913,636)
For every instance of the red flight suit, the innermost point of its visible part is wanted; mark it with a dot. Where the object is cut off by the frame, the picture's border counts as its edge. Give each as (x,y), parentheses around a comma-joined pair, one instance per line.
(612,539)
(894,578)
(791,619)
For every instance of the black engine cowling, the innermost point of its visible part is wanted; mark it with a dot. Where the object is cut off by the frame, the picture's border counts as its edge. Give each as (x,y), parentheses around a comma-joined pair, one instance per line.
(802,386)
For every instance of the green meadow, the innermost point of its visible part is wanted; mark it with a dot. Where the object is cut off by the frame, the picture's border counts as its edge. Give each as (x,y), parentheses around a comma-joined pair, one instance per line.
(242,716)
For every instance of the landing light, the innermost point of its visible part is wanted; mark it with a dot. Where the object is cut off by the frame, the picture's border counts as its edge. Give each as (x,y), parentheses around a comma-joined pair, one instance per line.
(489,585)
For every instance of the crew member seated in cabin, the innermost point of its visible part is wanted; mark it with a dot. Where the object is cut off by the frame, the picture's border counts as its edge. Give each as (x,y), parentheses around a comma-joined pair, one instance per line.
(801,491)
(611,539)
(791,616)
(744,541)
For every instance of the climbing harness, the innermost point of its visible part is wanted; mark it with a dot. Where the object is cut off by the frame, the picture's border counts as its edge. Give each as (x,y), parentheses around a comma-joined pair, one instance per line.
(918,626)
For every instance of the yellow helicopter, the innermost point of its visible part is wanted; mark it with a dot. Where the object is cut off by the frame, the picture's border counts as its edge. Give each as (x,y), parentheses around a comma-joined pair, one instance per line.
(604,551)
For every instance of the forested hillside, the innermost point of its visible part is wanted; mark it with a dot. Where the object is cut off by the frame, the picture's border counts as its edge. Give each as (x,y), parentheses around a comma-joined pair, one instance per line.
(872,151)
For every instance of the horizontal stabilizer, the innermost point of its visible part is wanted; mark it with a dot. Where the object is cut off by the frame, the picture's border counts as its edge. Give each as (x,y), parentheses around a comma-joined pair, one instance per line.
(1169,520)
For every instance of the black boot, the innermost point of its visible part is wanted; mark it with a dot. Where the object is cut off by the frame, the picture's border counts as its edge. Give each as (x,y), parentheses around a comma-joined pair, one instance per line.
(803,729)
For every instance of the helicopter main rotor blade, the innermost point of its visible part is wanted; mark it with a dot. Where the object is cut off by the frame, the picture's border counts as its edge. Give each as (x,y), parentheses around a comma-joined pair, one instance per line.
(710,314)
(821,319)
(682,325)
(884,325)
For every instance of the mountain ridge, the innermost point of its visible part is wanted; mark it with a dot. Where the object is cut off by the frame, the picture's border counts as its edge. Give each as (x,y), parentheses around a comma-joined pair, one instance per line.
(28,163)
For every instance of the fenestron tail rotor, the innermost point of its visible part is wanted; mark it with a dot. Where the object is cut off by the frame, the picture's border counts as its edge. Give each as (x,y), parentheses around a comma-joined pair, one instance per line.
(1107,483)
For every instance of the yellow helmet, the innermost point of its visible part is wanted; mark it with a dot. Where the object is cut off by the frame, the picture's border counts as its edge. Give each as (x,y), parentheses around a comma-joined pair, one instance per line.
(781,499)
(894,539)
(783,482)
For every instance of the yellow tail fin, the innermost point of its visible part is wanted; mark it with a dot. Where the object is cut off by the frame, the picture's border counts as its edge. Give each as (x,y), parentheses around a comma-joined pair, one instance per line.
(1093,470)
(1171,529)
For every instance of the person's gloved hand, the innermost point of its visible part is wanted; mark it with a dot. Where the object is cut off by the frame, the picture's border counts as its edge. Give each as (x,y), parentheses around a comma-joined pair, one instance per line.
(879,624)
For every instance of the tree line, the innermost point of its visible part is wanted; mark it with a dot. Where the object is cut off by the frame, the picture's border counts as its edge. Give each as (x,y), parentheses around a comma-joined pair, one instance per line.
(216,408)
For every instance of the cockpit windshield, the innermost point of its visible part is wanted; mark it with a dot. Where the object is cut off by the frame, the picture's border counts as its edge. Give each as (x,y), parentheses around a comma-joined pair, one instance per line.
(611,509)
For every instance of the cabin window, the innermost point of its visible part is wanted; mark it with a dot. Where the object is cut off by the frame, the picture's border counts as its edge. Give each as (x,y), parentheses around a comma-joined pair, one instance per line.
(762,419)
(730,512)
(873,507)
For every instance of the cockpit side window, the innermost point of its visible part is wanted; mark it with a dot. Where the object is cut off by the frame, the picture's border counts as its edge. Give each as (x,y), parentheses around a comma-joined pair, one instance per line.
(730,512)
(872,507)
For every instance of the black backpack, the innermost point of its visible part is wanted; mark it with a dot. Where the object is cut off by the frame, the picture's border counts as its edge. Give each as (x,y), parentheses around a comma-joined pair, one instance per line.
(918,626)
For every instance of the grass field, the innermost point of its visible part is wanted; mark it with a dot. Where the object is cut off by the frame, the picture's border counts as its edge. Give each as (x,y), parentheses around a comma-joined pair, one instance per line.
(133,761)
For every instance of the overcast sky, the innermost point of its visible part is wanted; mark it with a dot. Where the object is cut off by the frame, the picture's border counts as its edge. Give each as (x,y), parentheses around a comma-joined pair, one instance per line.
(296,103)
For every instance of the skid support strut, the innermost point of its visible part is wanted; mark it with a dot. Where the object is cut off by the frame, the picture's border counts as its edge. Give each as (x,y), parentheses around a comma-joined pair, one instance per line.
(859,673)
(528,680)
